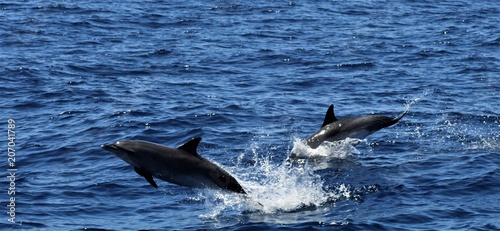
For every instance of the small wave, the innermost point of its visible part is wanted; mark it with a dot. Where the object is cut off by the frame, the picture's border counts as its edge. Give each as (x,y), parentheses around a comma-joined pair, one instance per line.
(492,43)
(360,65)
(160,52)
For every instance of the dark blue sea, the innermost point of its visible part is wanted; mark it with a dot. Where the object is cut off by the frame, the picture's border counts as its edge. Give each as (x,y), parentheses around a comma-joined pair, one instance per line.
(253,79)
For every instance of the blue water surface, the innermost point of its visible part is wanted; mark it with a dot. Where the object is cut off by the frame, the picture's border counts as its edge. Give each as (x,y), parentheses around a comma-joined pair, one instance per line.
(252,78)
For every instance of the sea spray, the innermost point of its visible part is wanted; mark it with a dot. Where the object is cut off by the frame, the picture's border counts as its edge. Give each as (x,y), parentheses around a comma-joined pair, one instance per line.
(274,187)
(341,149)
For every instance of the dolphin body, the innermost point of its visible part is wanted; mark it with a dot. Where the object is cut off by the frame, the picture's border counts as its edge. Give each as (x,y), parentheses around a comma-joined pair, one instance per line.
(334,129)
(182,165)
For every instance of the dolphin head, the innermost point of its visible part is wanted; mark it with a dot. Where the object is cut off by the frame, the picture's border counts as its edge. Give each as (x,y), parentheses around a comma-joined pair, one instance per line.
(125,150)
(132,153)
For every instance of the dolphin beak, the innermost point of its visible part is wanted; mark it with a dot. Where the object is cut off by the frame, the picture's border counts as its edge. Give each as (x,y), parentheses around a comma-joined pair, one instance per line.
(122,153)
(111,148)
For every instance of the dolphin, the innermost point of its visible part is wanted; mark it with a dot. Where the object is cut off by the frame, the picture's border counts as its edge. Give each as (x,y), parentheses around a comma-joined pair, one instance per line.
(334,129)
(181,166)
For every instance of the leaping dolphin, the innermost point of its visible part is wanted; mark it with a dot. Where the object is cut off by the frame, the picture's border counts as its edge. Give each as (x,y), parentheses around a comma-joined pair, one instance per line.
(334,129)
(182,165)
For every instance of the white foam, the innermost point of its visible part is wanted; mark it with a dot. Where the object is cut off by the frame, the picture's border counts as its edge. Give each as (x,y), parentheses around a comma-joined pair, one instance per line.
(275,187)
(331,150)
(490,143)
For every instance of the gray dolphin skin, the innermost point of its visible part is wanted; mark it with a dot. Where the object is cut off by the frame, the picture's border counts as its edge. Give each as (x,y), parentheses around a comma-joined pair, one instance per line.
(181,166)
(334,129)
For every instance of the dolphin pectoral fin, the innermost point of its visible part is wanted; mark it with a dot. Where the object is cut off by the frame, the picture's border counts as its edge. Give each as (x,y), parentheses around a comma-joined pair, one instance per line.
(147,175)
(191,146)
(149,178)
(329,117)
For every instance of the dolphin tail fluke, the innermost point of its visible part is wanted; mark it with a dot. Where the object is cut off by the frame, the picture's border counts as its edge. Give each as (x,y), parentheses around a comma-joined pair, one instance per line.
(147,175)
(400,116)
(389,121)
(397,119)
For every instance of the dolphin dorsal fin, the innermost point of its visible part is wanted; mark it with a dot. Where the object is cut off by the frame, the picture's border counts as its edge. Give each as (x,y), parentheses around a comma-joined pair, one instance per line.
(191,146)
(330,116)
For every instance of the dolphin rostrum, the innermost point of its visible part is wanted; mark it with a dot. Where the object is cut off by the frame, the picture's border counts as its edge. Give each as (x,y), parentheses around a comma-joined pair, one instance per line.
(334,129)
(182,165)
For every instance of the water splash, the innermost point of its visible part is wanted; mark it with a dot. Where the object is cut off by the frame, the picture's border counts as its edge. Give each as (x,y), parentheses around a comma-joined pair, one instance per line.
(276,187)
(341,149)
(486,143)
(410,103)
(288,190)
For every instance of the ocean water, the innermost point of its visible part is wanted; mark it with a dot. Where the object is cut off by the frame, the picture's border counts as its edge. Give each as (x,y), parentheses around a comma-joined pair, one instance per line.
(253,79)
